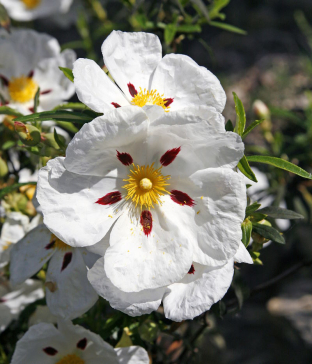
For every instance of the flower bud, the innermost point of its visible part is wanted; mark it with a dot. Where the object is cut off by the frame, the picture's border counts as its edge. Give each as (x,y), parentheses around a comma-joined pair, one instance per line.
(28,134)
(49,140)
(261,110)
(4,170)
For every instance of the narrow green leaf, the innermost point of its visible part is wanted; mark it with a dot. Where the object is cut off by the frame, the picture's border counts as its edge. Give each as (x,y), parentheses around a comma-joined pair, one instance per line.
(189,28)
(4,191)
(251,208)
(36,100)
(257,216)
(57,115)
(228,27)
(214,12)
(8,144)
(5,110)
(59,141)
(251,127)
(280,163)
(72,106)
(279,213)
(202,8)
(268,232)
(170,32)
(67,125)
(244,167)
(68,73)
(240,116)
(229,126)
(246,230)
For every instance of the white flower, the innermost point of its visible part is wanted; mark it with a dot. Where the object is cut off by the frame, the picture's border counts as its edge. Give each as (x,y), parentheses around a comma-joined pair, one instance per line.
(135,62)
(13,301)
(69,344)
(68,291)
(25,10)
(29,60)
(167,191)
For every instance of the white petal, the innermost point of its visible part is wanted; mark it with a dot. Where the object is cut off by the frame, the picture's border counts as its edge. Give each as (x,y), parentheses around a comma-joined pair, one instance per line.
(68,203)
(196,293)
(131,57)
(242,255)
(74,294)
(30,254)
(133,304)
(135,262)
(42,314)
(14,227)
(5,317)
(178,76)
(94,88)
(132,355)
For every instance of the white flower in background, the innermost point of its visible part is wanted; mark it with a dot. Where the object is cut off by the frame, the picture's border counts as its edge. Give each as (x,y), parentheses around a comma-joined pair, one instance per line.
(68,291)
(25,10)
(143,77)
(29,60)
(69,344)
(42,314)
(167,191)
(13,301)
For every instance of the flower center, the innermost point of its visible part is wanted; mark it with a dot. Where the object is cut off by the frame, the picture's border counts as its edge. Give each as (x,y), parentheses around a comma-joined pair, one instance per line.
(6,245)
(57,243)
(145,97)
(22,89)
(71,359)
(145,185)
(31,4)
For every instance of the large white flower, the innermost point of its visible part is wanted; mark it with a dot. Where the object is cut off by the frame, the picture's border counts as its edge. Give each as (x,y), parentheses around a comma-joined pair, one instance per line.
(69,344)
(68,291)
(135,61)
(167,191)
(25,10)
(29,60)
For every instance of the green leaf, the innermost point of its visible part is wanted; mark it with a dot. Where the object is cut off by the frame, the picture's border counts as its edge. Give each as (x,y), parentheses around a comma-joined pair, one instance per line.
(4,191)
(189,28)
(67,126)
(268,232)
(257,216)
(240,116)
(279,213)
(246,230)
(218,5)
(229,126)
(228,27)
(72,106)
(280,163)
(170,32)
(251,208)
(251,127)
(244,167)
(36,100)
(68,73)
(59,141)
(5,110)
(57,115)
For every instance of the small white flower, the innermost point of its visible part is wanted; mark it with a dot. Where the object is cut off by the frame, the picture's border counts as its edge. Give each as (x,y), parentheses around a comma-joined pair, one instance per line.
(167,191)
(13,301)
(135,61)
(25,10)
(69,344)
(29,60)
(68,291)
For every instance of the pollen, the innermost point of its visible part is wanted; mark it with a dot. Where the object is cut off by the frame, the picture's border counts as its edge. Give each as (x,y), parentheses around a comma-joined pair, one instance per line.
(71,359)
(22,89)
(146,185)
(31,4)
(6,245)
(145,97)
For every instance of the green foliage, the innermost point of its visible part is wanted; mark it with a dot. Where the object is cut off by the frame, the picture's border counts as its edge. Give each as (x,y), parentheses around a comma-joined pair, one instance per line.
(268,232)
(68,73)
(240,116)
(4,191)
(244,167)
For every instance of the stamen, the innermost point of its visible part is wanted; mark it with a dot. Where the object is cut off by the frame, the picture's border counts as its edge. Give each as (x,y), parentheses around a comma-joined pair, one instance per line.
(132,89)
(50,351)
(145,97)
(56,243)
(66,260)
(81,344)
(22,89)
(116,105)
(71,359)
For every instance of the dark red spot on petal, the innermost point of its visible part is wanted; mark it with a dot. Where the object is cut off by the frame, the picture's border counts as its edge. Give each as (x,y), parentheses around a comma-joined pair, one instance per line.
(31,74)
(146,221)
(4,80)
(116,105)
(66,260)
(109,198)
(2,300)
(31,109)
(82,344)
(169,156)
(192,270)
(50,351)
(45,92)
(50,245)
(181,198)
(125,158)
(168,102)
(132,89)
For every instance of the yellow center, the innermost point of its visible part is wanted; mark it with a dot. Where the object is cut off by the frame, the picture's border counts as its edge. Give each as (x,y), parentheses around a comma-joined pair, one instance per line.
(145,97)
(6,245)
(22,89)
(145,185)
(31,4)
(71,359)
(58,243)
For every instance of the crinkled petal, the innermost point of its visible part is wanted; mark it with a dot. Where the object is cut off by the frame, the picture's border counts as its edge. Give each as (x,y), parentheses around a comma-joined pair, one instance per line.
(131,58)
(14,227)
(94,88)
(133,304)
(132,355)
(197,292)
(242,255)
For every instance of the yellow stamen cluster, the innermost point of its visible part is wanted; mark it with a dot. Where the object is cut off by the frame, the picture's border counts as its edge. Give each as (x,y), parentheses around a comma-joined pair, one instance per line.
(59,244)
(145,97)
(145,185)
(6,245)
(31,4)
(71,359)
(22,89)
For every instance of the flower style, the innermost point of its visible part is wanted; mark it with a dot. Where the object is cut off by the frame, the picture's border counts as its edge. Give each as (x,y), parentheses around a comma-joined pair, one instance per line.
(13,301)
(30,60)
(135,62)
(26,10)
(68,291)
(165,192)
(69,344)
